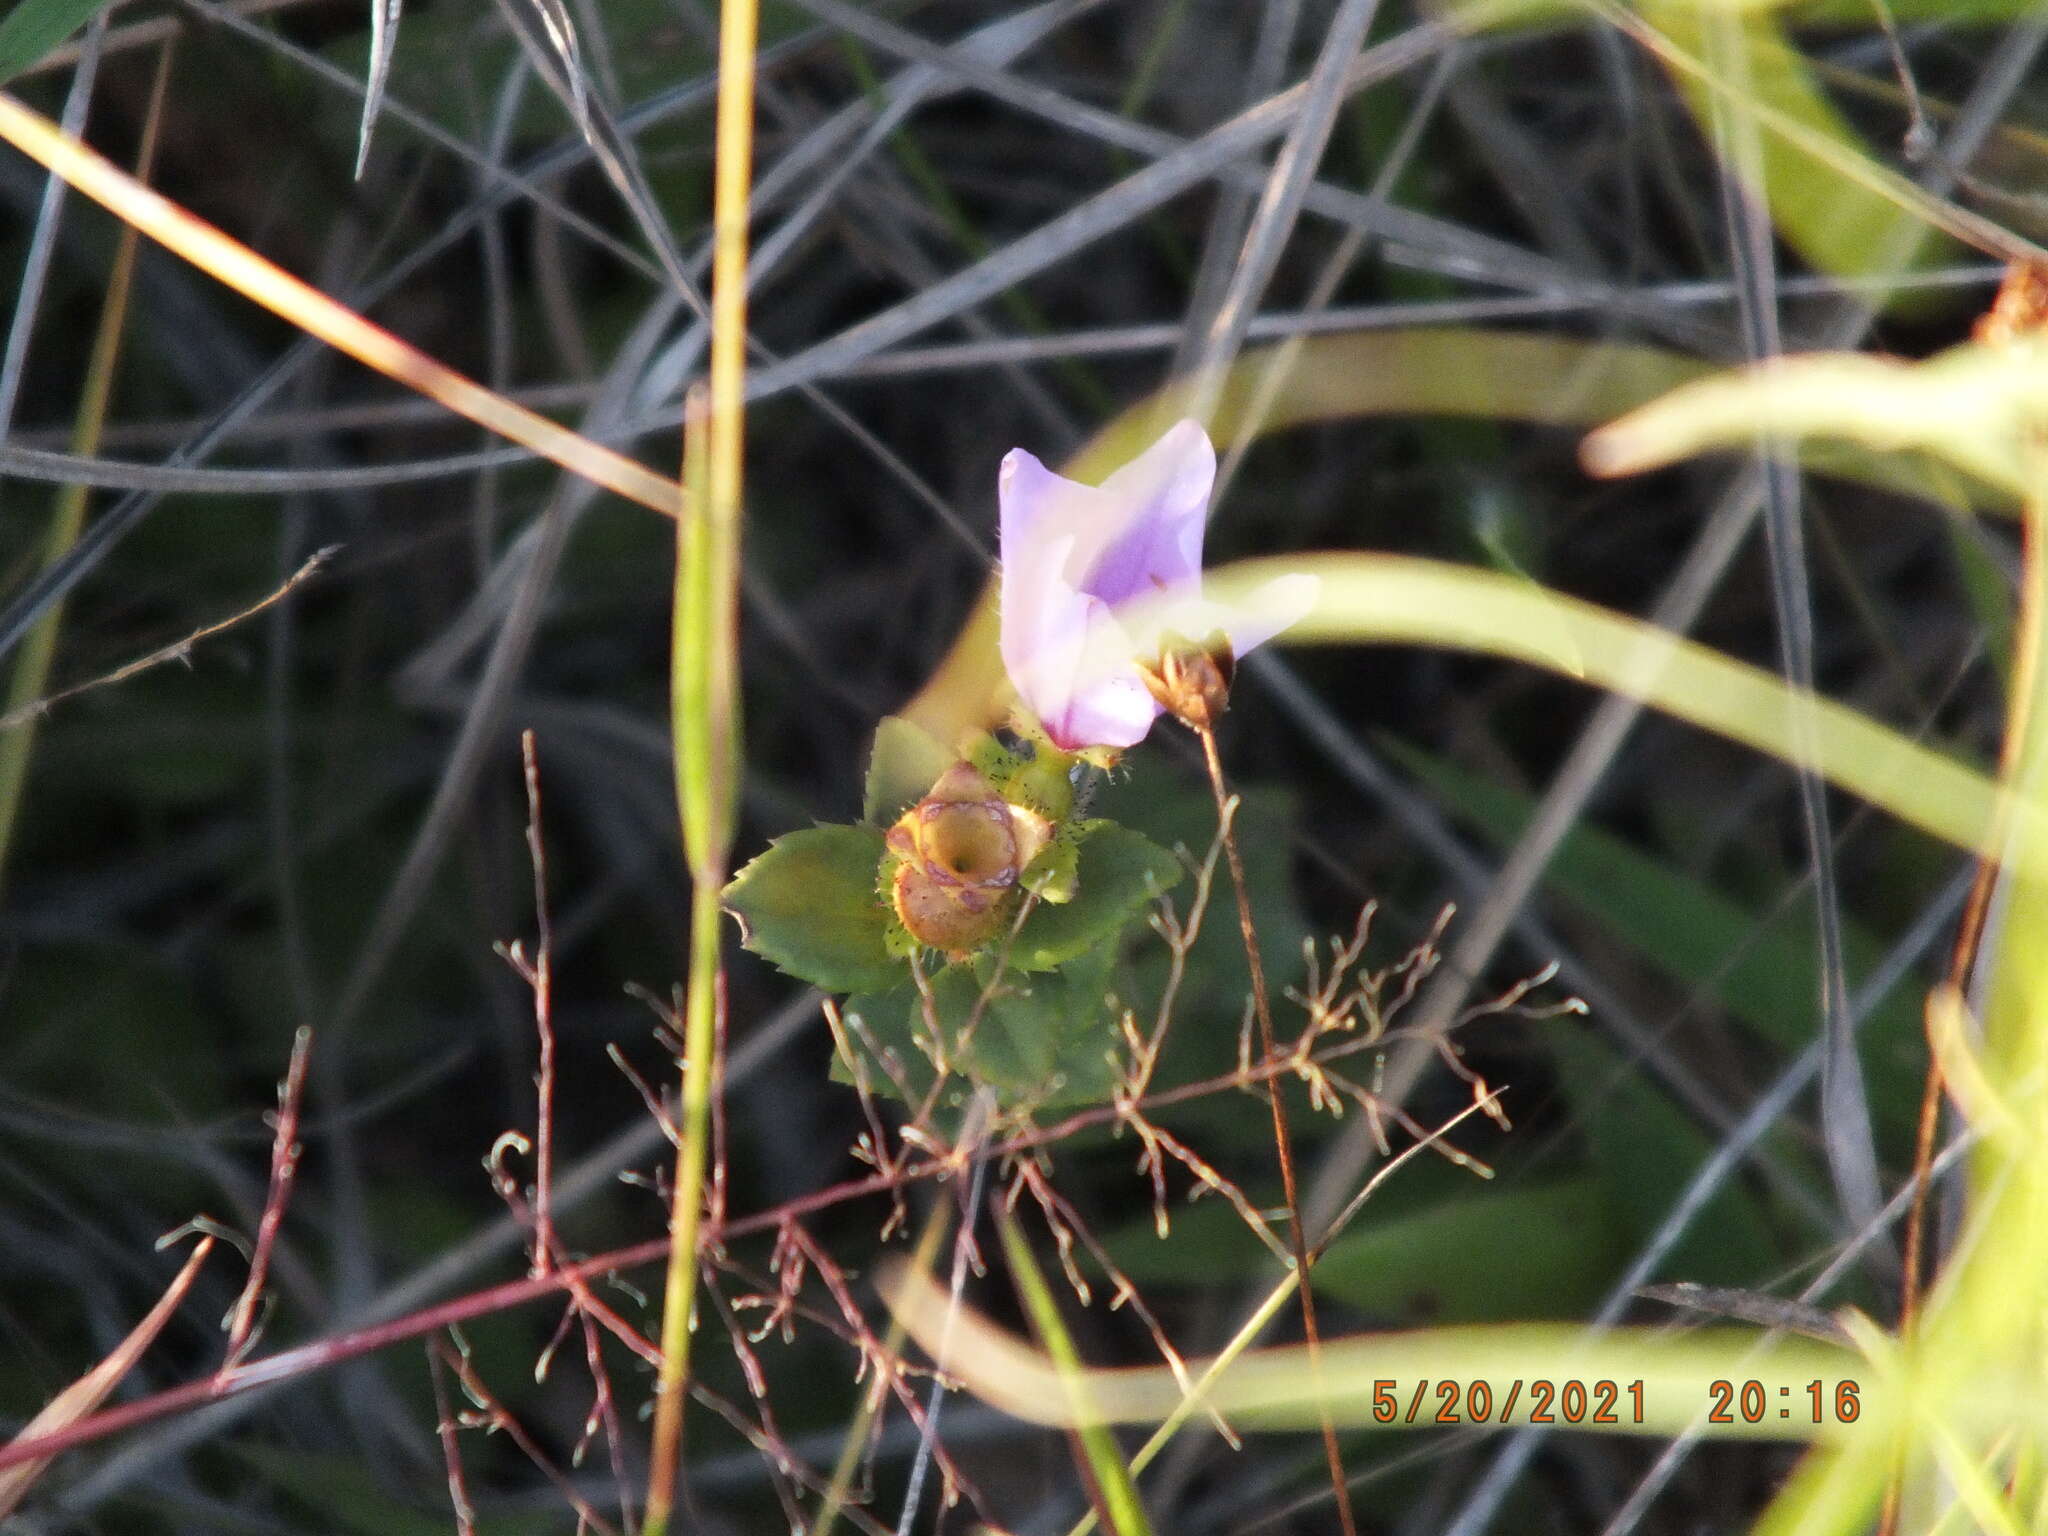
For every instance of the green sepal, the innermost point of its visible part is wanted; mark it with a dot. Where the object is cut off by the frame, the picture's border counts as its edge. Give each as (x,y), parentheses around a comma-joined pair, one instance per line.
(1056,872)
(1039,778)
(809,905)
(1117,873)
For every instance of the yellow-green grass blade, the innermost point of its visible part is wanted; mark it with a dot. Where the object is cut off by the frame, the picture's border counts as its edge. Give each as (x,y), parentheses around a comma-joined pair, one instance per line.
(1112,1478)
(1462,372)
(1401,600)
(1391,1380)
(31,677)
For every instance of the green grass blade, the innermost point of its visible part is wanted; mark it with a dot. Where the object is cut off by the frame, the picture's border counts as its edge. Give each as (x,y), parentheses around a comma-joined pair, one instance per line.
(1113,1486)
(1393,599)
(36,27)
(31,676)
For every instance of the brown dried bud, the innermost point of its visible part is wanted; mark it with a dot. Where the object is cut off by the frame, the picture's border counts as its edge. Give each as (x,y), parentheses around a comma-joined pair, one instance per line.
(962,848)
(2019,311)
(1191,679)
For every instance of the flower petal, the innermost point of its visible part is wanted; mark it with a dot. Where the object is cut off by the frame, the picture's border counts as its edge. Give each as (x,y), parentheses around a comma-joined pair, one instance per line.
(1280,604)
(1246,624)
(1044,619)
(1162,507)
(1092,694)
(1036,506)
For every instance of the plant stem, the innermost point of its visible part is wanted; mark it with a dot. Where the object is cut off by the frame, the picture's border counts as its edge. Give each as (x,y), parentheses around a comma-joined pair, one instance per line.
(1283,1143)
(705,692)
(32,669)
(1113,1494)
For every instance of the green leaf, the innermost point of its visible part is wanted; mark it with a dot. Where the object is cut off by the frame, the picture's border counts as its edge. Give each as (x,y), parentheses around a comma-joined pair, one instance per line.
(1419,1268)
(810,906)
(906,761)
(1408,1259)
(1040,1040)
(1646,1151)
(1120,871)
(1763,976)
(36,27)
(1046,1037)
(1839,223)
(1209,1007)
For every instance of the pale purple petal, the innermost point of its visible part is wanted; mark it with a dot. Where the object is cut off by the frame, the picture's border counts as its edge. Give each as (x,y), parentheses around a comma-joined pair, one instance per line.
(1117,713)
(1043,617)
(1280,604)
(1162,504)
(1092,695)
(1073,666)
(1072,553)
(1034,505)
(1038,601)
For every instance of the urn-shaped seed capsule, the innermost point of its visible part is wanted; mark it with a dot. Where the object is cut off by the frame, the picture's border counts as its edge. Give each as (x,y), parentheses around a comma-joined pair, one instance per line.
(962,848)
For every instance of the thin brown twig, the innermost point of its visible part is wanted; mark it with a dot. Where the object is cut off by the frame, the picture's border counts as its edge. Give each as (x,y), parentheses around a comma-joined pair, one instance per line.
(575,1278)
(1282,1142)
(177,650)
(541,977)
(320,1354)
(1068,1228)
(891,1370)
(783,1462)
(656,1109)
(872,1145)
(496,1416)
(284,1167)
(451,1451)
(604,1414)
(585,1313)
(1180,935)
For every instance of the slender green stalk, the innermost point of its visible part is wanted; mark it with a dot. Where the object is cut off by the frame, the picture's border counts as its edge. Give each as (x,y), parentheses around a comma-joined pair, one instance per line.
(32,669)
(1115,1493)
(705,705)
(700,717)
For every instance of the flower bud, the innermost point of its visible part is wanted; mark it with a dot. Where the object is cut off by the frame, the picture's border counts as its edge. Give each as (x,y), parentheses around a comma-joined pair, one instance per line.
(962,849)
(2020,312)
(1191,679)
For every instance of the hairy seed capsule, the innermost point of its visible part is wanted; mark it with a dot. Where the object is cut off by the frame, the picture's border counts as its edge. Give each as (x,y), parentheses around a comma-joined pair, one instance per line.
(962,848)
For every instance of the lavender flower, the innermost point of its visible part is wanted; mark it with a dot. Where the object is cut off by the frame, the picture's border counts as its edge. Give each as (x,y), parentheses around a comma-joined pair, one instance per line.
(1073,554)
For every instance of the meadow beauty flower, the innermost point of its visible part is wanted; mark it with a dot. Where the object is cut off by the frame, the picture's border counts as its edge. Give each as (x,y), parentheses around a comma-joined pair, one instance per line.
(1073,554)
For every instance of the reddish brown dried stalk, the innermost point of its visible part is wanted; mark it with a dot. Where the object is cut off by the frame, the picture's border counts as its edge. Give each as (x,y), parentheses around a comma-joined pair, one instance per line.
(284,1167)
(320,1354)
(540,976)
(446,1426)
(783,1462)
(500,1419)
(1282,1143)
(585,1311)
(1067,1228)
